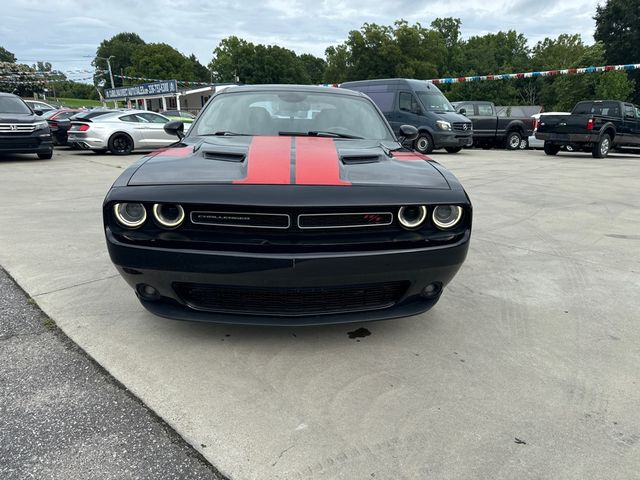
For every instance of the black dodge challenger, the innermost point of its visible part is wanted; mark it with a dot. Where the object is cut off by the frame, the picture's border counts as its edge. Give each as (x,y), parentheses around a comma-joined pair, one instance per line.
(287,205)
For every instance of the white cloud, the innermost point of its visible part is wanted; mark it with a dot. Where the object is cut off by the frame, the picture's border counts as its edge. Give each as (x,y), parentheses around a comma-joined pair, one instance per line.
(67,32)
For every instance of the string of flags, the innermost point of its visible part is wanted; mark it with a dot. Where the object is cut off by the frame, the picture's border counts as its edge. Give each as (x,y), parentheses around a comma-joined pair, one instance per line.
(547,73)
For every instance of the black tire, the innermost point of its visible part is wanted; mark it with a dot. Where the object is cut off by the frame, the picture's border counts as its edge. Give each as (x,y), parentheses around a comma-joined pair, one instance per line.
(551,149)
(601,149)
(453,149)
(513,140)
(120,144)
(524,144)
(424,143)
(46,156)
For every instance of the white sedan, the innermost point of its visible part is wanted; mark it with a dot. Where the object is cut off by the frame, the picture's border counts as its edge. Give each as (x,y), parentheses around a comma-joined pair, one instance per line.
(121,132)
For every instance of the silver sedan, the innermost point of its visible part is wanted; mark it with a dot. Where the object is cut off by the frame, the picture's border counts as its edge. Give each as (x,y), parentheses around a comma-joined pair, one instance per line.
(121,132)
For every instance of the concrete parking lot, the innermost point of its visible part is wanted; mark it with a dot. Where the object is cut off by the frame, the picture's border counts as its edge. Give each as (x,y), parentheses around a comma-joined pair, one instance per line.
(527,368)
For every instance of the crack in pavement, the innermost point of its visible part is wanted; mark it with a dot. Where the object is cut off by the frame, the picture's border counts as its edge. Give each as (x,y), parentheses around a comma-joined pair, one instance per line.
(74,286)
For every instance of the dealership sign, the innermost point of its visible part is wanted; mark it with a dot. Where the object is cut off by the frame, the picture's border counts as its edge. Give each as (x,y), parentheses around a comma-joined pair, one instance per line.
(165,87)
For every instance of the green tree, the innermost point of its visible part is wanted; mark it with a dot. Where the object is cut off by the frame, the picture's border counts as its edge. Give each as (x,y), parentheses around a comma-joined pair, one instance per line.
(232,59)
(160,61)
(314,66)
(618,28)
(7,56)
(122,47)
(449,30)
(338,64)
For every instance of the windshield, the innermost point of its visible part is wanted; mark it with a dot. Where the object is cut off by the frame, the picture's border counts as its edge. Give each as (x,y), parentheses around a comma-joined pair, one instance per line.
(291,113)
(435,101)
(13,105)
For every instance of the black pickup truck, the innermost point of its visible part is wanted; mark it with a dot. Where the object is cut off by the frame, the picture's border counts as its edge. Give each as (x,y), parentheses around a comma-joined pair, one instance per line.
(593,126)
(496,126)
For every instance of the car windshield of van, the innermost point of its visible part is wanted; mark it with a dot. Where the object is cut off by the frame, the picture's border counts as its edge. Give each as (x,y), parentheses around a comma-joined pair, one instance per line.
(291,113)
(13,105)
(435,101)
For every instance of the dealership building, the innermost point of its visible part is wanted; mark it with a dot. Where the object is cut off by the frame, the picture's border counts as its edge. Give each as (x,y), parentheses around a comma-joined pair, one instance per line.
(163,95)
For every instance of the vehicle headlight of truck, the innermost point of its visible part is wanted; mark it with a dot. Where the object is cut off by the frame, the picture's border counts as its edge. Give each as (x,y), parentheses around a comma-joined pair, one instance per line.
(40,125)
(442,125)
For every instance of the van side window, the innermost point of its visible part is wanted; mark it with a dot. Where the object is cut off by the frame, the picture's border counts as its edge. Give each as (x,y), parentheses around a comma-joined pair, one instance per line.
(408,103)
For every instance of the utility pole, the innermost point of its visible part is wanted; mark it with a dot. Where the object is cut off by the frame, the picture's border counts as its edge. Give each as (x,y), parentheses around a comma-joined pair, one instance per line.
(115,103)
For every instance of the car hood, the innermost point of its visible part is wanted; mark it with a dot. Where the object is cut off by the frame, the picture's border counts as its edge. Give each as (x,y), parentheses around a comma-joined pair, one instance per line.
(19,118)
(285,160)
(453,117)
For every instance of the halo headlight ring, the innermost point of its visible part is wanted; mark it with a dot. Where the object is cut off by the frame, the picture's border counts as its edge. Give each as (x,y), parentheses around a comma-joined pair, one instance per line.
(410,218)
(452,219)
(125,218)
(167,222)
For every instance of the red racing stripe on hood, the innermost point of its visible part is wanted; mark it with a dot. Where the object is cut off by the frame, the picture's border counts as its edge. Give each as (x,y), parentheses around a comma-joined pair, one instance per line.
(268,161)
(317,162)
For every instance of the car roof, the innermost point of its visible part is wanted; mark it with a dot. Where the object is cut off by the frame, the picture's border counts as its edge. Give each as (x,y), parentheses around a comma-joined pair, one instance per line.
(401,82)
(289,88)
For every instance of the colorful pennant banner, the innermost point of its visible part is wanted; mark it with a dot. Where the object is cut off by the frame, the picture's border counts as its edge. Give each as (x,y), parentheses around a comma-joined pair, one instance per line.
(547,73)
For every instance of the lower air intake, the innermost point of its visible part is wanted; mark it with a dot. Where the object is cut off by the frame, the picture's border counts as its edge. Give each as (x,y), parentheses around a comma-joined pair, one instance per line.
(290,301)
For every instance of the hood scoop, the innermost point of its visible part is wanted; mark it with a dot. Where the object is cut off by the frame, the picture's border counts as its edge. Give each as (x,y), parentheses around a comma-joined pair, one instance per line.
(225,156)
(224,153)
(360,159)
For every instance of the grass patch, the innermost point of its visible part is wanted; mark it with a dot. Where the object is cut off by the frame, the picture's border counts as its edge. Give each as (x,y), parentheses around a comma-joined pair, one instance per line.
(78,102)
(48,323)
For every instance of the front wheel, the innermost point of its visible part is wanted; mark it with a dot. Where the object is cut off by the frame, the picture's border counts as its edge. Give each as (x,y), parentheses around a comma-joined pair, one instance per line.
(524,144)
(602,147)
(424,143)
(453,149)
(121,144)
(513,140)
(551,149)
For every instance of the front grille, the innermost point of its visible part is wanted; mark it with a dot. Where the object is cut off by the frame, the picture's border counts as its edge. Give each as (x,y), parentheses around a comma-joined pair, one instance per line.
(290,301)
(241,219)
(344,220)
(17,127)
(460,126)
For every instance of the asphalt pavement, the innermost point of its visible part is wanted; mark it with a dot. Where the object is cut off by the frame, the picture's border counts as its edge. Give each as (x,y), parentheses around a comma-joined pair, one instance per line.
(527,368)
(62,416)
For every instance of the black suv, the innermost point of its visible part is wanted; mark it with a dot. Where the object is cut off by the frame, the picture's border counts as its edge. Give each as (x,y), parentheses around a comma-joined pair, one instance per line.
(21,130)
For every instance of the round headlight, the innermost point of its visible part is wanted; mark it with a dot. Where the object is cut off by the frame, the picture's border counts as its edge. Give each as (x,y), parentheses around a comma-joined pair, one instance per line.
(412,216)
(446,216)
(168,215)
(130,215)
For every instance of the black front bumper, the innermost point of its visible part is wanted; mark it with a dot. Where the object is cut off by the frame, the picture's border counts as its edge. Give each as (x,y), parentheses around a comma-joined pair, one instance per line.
(36,142)
(164,268)
(452,139)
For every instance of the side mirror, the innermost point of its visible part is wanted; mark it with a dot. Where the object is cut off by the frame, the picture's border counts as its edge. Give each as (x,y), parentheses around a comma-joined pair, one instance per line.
(462,111)
(176,128)
(38,112)
(408,133)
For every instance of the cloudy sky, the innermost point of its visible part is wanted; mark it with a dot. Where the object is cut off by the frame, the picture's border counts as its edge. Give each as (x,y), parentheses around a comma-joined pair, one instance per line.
(67,32)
